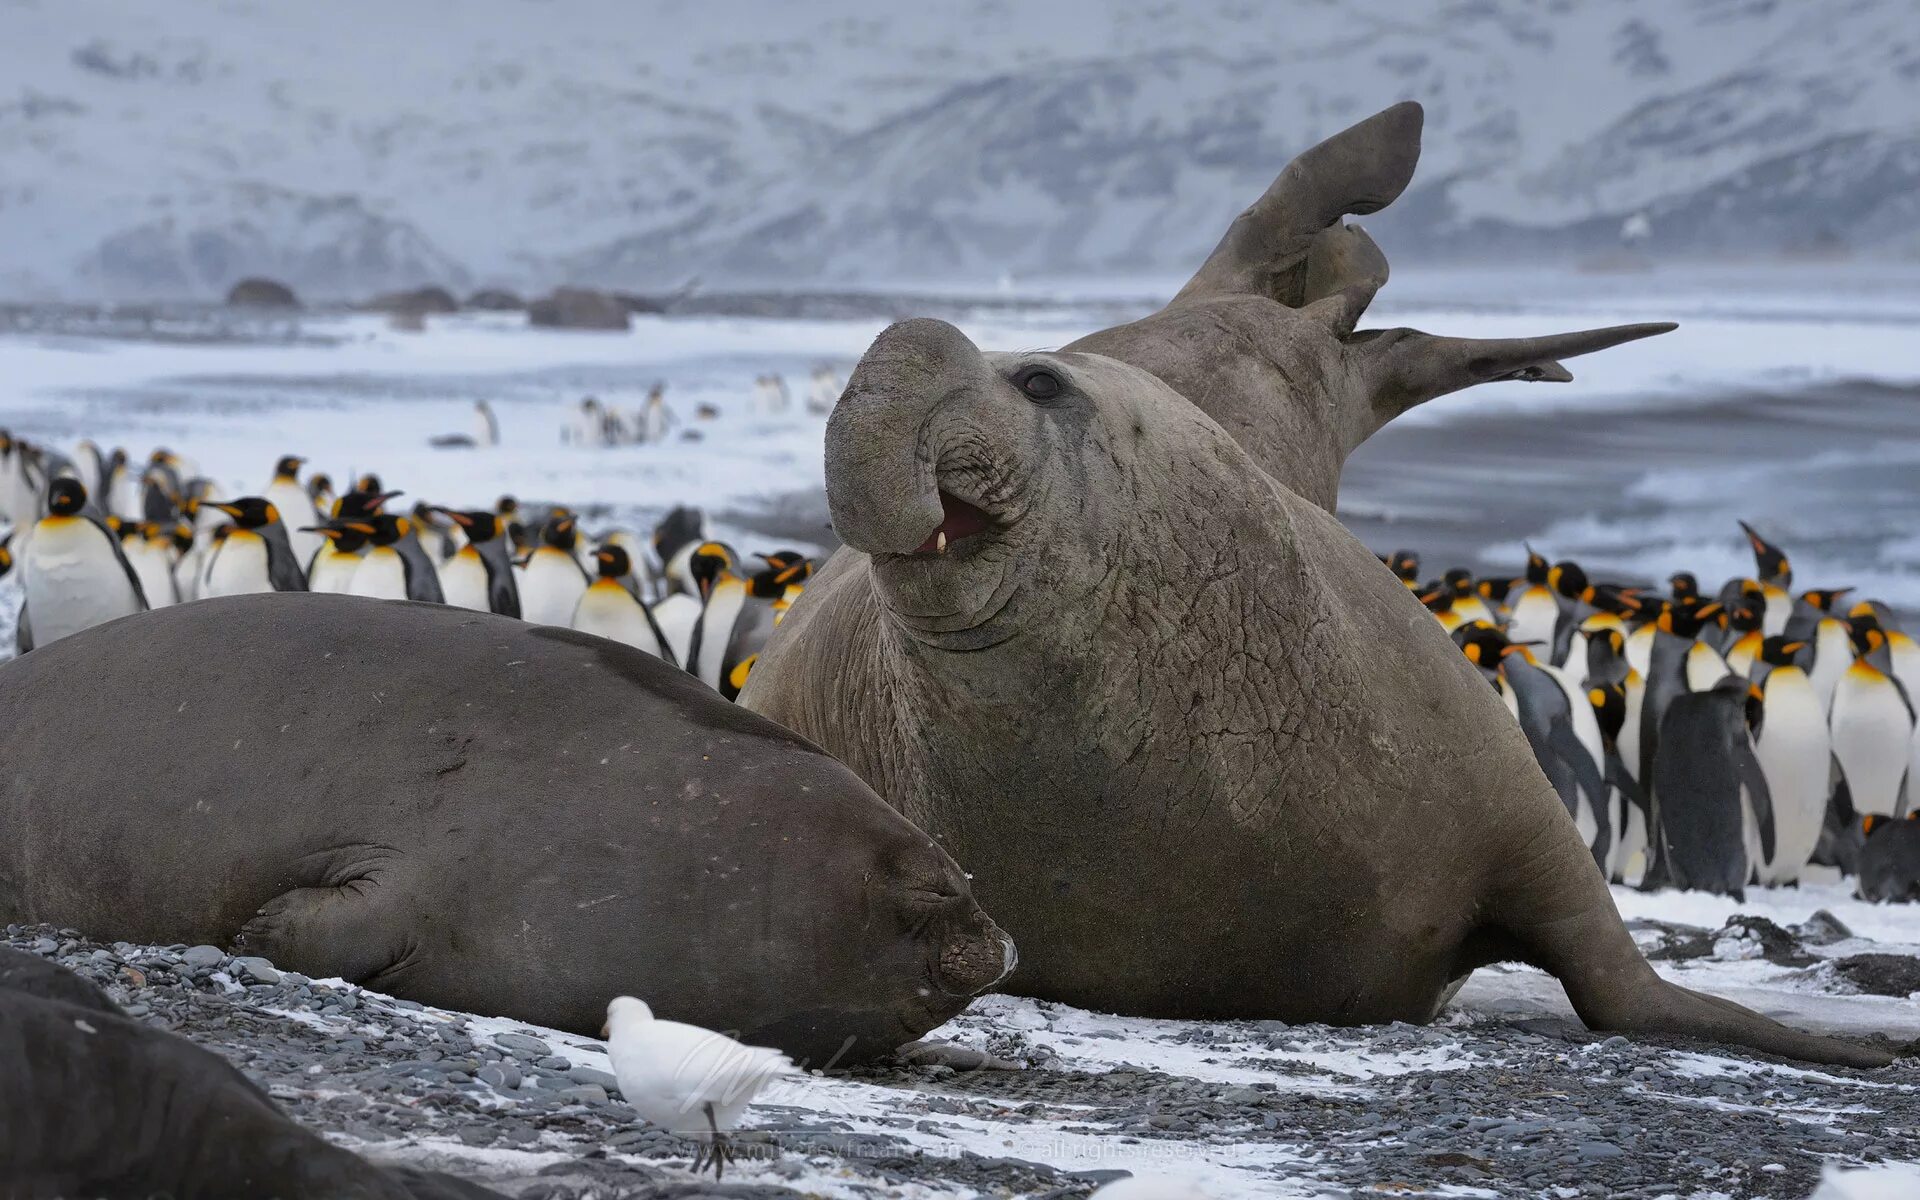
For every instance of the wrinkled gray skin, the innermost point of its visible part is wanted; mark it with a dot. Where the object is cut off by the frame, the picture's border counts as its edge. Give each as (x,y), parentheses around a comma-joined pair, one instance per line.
(1203,754)
(475,813)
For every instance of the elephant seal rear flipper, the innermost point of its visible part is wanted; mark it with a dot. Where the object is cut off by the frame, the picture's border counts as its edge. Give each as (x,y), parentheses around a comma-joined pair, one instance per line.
(352,923)
(1558,907)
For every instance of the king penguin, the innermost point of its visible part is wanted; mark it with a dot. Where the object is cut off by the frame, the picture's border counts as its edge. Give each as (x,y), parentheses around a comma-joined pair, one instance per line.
(1776,576)
(480,576)
(148,546)
(554,580)
(1713,812)
(73,572)
(682,531)
(609,609)
(1468,604)
(723,595)
(338,557)
(1560,724)
(255,555)
(387,571)
(296,508)
(1872,723)
(1796,755)
(1535,612)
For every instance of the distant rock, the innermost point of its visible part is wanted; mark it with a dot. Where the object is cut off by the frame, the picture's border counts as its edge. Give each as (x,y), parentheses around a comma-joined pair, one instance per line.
(261,293)
(496,300)
(419,301)
(580,308)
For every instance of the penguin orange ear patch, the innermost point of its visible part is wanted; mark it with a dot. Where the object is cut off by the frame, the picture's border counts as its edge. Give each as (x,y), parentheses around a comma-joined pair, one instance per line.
(1868,822)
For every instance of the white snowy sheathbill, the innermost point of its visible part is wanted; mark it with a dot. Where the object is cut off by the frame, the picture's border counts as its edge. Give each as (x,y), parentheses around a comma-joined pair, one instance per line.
(687,1080)
(73,571)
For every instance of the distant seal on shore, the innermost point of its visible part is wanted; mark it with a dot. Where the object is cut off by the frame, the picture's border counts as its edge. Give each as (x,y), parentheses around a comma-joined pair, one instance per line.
(93,1103)
(476,813)
(1097,631)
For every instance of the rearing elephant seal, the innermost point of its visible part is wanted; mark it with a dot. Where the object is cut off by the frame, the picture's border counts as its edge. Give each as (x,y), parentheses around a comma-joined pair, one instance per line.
(476,813)
(1202,752)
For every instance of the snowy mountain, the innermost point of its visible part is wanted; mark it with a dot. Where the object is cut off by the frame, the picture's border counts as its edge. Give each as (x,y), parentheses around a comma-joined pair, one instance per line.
(167,149)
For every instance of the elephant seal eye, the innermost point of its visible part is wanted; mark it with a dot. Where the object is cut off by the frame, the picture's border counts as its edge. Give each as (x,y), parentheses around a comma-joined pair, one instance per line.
(1040,384)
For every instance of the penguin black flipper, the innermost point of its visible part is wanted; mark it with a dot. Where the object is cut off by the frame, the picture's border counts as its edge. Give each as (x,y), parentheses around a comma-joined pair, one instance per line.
(23,632)
(1587,775)
(659,635)
(283,565)
(1754,780)
(1622,780)
(423,582)
(120,556)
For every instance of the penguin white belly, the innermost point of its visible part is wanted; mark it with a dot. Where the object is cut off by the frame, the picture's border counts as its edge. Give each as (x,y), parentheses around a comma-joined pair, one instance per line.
(1705,667)
(124,500)
(1586,727)
(1872,739)
(608,610)
(1629,744)
(723,607)
(463,580)
(296,512)
(72,580)
(1630,848)
(1779,610)
(186,573)
(150,564)
(1795,755)
(1640,649)
(552,587)
(1832,654)
(381,575)
(677,615)
(238,567)
(1534,615)
(333,572)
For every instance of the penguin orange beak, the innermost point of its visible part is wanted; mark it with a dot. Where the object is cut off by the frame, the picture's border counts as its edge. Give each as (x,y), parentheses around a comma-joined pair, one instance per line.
(232,510)
(357,527)
(381,498)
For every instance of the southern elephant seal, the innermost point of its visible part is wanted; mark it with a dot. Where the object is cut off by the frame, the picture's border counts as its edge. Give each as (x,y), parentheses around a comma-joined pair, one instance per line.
(93,1103)
(1204,754)
(476,813)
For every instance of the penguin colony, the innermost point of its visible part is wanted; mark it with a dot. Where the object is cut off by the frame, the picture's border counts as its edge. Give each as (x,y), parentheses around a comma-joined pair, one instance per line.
(1706,742)
(597,423)
(93,539)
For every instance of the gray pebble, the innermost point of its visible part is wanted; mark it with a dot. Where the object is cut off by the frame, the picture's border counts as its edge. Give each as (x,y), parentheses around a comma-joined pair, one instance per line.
(204,956)
(522,1042)
(586,1093)
(255,970)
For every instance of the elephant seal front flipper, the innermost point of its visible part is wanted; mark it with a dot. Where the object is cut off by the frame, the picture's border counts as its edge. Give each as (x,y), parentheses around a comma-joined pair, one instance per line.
(354,925)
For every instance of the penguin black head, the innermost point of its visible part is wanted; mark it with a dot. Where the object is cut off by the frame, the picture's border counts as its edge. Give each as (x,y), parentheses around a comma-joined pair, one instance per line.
(1825,598)
(360,504)
(1620,601)
(1537,567)
(347,536)
(614,562)
(1609,702)
(1769,558)
(1779,651)
(785,568)
(1437,599)
(1745,617)
(367,483)
(249,512)
(1684,585)
(66,497)
(117,461)
(182,535)
(1484,643)
(1570,580)
(1687,622)
(1874,821)
(479,524)
(1459,581)
(1405,564)
(562,533)
(288,467)
(707,564)
(384,529)
(1756,708)
(1866,638)
(319,484)
(507,506)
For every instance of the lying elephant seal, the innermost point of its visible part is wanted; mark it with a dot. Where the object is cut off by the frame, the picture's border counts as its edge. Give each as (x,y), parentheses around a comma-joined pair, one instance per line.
(93,1103)
(472,812)
(1203,753)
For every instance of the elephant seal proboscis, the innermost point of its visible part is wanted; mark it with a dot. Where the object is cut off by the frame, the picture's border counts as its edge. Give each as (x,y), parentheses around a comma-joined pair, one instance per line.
(475,813)
(1095,628)
(94,1103)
